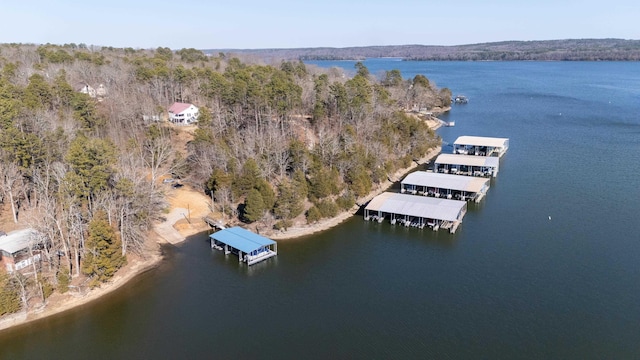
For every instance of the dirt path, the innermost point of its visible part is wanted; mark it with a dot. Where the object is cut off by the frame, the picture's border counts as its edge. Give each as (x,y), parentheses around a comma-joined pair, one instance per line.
(187,209)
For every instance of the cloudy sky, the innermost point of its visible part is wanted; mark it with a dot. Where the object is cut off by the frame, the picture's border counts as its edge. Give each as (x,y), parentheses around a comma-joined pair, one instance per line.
(252,24)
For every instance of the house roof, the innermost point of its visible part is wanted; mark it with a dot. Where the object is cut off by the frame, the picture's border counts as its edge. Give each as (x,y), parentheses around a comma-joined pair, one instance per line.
(16,240)
(241,239)
(179,107)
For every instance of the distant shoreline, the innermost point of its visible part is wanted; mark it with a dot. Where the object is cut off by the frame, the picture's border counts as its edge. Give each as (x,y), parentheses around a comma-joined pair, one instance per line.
(545,50)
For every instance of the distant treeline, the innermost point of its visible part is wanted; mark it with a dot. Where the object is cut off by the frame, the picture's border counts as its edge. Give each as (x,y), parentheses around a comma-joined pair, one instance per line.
(549,50)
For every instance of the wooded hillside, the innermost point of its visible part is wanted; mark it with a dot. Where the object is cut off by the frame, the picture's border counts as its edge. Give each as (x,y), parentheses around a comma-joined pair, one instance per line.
(273,143)
(548,50)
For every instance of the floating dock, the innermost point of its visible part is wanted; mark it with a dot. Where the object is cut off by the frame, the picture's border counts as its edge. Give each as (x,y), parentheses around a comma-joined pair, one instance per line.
(481,146)
(445,186)
(250,247)
(467,165)
(416,211)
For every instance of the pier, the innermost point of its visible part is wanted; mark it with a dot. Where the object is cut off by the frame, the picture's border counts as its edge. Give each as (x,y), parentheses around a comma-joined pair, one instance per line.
(250,247)
(416,211)
(438,199)
(480,146)
(445,186)
(470,165)
(213,223)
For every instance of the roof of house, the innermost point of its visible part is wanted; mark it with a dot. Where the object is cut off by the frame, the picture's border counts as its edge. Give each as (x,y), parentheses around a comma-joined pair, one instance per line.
(179,107)
(419,206)
(16,240)
(468,160)
(446,181)
(241,239)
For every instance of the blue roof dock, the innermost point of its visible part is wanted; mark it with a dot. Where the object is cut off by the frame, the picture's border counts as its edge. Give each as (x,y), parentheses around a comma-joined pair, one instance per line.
(255,247)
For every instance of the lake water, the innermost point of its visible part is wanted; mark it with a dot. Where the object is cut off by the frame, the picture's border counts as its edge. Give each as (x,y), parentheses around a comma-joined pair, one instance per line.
(509,284)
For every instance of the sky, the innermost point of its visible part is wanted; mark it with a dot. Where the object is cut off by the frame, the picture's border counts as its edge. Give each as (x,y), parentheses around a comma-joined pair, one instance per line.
(254,24)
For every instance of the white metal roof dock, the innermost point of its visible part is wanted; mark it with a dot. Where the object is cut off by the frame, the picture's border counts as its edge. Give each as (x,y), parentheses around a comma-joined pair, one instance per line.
(467,165)
(445,185)
(478,145)
(418,211)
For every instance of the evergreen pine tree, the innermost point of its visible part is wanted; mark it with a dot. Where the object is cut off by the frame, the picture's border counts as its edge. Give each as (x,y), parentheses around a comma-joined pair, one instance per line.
(103,250)
(268,196)
(289,203)
(254,207)
(300,184)
(248,179)
(313,215)
(9,297)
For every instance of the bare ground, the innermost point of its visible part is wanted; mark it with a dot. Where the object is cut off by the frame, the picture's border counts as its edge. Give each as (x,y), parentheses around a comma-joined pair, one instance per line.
(187,208)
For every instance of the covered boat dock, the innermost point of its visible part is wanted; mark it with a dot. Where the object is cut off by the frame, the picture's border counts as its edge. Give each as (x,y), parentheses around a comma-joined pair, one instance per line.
(417,211)
(445,186)
(467,165)
(482,146)
(251,248)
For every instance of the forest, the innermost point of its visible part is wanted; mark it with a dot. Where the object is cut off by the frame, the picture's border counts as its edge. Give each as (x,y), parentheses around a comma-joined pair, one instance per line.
(275,143)
(545,50)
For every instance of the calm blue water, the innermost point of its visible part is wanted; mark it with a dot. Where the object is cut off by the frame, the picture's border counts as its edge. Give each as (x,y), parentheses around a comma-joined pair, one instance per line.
(509,284)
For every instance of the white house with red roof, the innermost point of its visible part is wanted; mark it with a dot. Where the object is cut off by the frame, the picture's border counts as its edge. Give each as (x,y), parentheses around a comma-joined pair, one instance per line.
(183,113)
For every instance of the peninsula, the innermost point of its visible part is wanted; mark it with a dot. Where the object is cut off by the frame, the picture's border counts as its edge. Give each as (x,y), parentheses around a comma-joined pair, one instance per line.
(107,152)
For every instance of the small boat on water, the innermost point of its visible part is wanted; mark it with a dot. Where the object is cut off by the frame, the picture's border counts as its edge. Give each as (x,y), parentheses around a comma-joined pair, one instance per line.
(460,99)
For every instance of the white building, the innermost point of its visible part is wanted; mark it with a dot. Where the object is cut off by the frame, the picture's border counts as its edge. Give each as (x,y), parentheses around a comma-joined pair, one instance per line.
(183,113)
(86,89)
(99,93)
(14,249)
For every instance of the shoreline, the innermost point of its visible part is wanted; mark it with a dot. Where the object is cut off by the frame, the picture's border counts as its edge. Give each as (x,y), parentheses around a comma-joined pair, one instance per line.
(69,300)
(166,232)
(325,224)
(298,231)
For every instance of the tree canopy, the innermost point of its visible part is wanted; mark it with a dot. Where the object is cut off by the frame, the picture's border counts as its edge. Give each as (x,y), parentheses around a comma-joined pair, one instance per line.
(276,144)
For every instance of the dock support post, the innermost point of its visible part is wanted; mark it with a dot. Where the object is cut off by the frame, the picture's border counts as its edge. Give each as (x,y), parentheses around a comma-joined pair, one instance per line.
(239,256)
